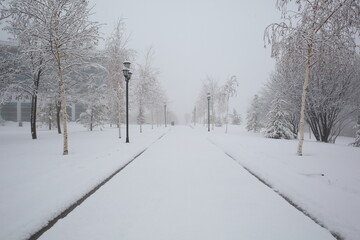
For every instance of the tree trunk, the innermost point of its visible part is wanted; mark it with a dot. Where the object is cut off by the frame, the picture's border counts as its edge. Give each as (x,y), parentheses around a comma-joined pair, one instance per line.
(91,121)
(64,112)
(303,99)
(63,103)
(33,115)
(34,105)
(58,110)
(152,118)
(119,123)
(49,116)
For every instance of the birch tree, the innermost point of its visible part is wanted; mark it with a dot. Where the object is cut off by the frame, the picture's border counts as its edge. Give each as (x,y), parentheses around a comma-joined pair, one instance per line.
(229,90)
(307,28)
(67,34)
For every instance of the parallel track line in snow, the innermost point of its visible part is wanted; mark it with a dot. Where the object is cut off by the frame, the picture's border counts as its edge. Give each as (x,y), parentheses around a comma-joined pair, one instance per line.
(63,214)
(287,199)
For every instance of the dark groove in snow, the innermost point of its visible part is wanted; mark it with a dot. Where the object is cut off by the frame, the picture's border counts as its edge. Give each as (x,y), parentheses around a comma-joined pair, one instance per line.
(299,208)
(63,214)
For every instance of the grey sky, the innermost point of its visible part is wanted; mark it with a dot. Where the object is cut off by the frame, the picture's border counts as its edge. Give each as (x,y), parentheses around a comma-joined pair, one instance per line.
(196,38)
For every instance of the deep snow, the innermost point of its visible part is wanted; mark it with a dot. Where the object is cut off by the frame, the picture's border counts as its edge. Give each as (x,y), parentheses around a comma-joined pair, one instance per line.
(185,188)
(37,182)
(325,182)
(180,182)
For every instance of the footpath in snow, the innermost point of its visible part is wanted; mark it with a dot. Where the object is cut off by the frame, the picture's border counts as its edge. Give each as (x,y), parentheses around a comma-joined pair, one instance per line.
(183,187)
(37,183)
(324,182)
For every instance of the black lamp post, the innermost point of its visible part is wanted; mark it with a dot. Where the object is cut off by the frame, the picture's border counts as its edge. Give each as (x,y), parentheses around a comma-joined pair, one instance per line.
(127,74)
(208,98)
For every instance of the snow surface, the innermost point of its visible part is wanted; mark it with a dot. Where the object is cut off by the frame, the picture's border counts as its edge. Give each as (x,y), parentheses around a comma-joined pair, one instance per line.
(182,187)
(185,188)
(333,199)
(37,182)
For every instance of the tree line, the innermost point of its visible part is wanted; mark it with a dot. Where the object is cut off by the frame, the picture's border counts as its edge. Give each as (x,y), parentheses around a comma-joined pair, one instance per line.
(56,60)
(219,102)
(317,74)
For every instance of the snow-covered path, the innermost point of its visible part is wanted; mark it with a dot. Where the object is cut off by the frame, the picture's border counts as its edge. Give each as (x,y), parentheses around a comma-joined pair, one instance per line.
(184,187)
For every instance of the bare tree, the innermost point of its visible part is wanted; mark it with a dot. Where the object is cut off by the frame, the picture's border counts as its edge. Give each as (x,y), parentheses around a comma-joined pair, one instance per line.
(116,52)
(148,91)
(228,90)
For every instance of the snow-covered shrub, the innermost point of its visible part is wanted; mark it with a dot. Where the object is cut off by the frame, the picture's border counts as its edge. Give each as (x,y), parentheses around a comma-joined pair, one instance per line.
(236,118)
(253,116)
(278,126)
(357,137)
(93,117)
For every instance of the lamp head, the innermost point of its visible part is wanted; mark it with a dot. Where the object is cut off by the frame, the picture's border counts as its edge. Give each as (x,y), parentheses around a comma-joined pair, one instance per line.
(126,72)
(127,64)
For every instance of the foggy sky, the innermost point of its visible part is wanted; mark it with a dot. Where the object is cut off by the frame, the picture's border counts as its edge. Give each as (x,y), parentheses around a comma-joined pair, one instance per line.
(196,38)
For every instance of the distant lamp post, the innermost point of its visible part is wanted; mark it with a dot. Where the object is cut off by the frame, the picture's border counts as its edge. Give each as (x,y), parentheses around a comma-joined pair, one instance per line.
(127,74)
(165,112)
(208,98)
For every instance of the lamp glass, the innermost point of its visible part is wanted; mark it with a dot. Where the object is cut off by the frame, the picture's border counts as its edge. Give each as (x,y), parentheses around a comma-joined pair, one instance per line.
(126,72)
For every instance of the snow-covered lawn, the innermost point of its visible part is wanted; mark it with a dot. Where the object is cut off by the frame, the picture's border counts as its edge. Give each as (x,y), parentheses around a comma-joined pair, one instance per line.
(325,182)
(37,182)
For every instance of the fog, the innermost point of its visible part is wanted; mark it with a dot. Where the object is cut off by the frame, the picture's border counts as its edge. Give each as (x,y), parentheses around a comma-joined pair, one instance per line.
(195,39)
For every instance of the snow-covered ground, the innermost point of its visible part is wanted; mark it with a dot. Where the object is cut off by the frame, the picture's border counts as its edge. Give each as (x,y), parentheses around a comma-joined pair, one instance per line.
(185,188)
(37,182)
(182,187)
(325,182)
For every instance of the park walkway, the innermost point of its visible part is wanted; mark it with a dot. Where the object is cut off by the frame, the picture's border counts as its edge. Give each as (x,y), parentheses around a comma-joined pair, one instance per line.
(185,188)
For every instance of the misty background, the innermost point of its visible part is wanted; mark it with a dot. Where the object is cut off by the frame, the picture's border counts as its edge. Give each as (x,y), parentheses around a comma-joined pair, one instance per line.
(196,39)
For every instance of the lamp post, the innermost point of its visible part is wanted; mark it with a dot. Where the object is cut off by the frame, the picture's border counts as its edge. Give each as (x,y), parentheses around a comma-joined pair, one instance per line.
(208,98)
(127,74)
(165,113)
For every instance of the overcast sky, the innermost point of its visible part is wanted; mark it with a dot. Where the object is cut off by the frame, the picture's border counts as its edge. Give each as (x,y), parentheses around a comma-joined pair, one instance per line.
(196,38)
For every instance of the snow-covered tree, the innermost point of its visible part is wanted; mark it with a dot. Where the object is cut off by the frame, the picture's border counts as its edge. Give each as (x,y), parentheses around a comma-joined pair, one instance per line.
(116,52)
(228,90)
(141,117)
(277,125)
(253,115)
(94,98)
(32,60)
(8,71)
(63,28)
(356,143)
(209,85)
(148,92)
(357,138)
(307,28)
(235,118)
